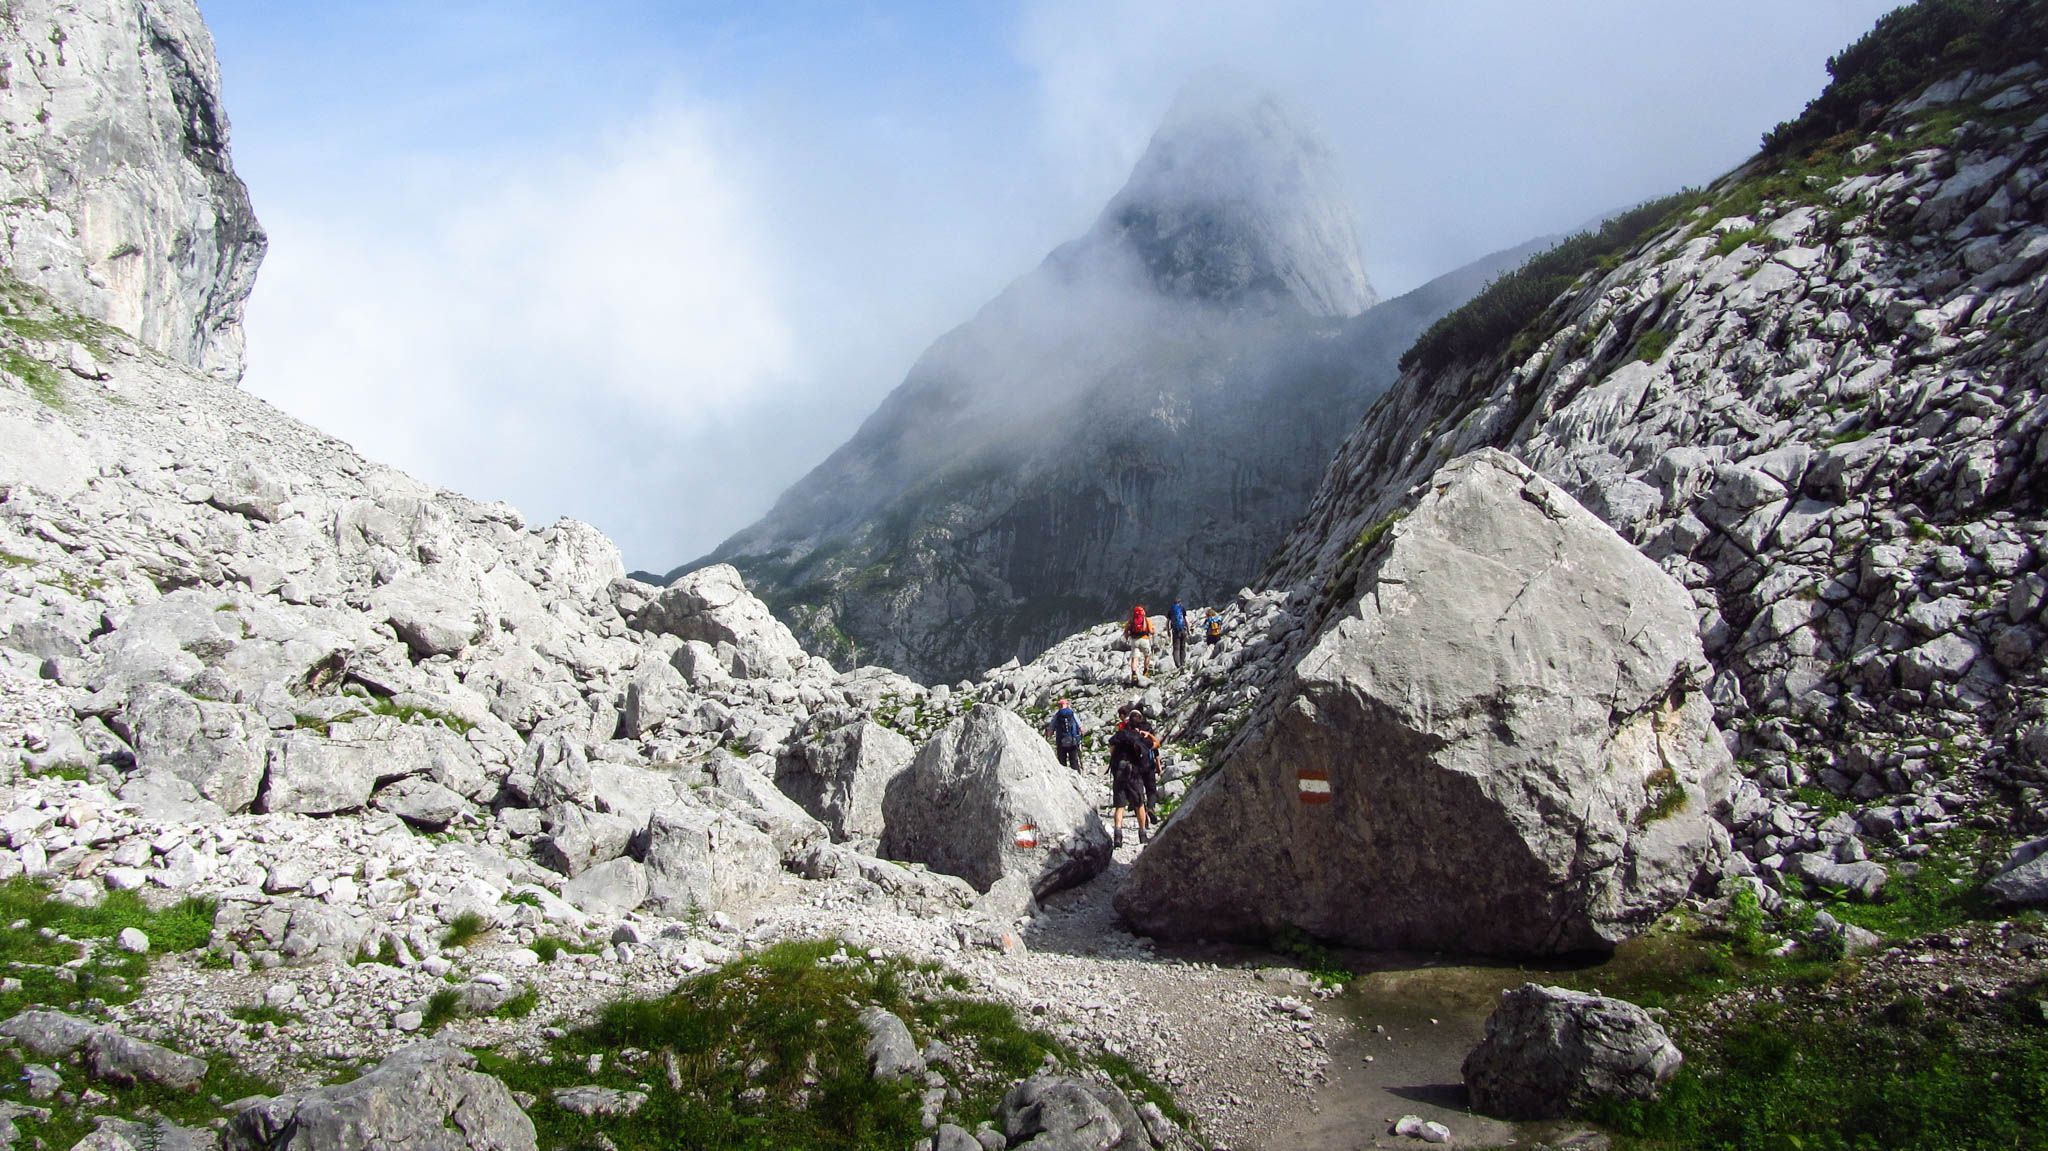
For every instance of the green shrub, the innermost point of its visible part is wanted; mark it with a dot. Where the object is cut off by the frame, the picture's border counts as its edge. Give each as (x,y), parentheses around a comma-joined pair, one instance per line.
(1909,49)
(42,379)
(442,1007)
(1651,347)
(1776,1080)
(464,929)
(1490,320)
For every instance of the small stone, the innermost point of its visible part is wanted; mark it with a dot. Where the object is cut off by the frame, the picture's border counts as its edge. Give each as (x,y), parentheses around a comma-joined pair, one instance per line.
(408,1020)
(132,941)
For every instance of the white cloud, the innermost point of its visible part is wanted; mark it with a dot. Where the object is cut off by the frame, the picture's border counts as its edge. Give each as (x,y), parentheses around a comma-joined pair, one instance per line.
(534,327)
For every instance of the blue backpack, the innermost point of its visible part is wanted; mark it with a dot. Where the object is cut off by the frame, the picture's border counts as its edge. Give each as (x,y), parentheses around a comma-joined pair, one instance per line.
(1066,727)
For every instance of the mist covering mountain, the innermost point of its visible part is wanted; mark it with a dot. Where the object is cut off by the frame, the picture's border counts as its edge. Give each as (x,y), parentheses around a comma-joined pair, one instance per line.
(1141,416)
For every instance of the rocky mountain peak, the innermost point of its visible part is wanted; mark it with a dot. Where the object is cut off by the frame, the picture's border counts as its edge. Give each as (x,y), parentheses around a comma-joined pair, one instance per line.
(117,195)
(1236,198)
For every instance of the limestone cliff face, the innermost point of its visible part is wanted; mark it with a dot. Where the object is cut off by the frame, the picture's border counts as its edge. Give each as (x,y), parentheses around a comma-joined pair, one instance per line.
(1814,396)
(117,195)
(1140,417)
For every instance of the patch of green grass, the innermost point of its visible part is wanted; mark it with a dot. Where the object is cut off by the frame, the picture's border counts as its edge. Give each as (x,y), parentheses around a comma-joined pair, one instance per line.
(1666,797)
(1141,1086)
(386,954)
(47,964)
(197,1108)
(9,559)
(1732,240)
(42,379)
(1942,892)
(550,946)
(1748,926)
(768,1052)
(464,929)
(519,1006)
(1313,956)
(1849,437)
(257,1013)
(1781,1078)
(443,1006)
(75,772)
(46,953)
(1651,347)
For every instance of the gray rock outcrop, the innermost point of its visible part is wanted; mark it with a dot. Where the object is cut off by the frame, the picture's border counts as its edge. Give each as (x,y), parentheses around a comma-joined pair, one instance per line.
(1068,1113)
(1549,1052)
(712,606)
(2022,880)
(426,1097)
(839,766)
(1500,746)
(706,859)
(1824,415)
(116,189)
(985,800)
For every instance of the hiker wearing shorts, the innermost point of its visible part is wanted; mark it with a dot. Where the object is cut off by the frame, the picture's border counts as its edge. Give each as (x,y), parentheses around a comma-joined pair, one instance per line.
(1127,749)
(1066,731)
(1138,637)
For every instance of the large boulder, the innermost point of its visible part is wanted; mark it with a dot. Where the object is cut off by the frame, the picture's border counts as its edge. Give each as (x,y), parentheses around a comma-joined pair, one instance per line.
(839,767)
(218,748)
(706,859)
(1500,746)
(315,774)
(1067,1113)
(1549,1052)
(431,619)
(2022,880)
(424,1098)
(986,799)
(712,605)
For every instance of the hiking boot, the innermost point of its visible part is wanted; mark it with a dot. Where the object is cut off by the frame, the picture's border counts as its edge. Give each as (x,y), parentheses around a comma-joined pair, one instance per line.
(1141,836)
(1119,838)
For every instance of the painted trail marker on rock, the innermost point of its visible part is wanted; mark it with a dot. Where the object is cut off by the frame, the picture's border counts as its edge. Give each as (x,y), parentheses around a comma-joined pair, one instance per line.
(1313,785)
(1027,835)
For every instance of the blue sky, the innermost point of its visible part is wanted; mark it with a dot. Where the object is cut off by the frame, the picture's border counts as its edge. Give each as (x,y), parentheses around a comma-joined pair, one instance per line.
(645,263)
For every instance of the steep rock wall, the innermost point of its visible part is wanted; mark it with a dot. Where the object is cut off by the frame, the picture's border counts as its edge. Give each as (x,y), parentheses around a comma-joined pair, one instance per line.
(117,194)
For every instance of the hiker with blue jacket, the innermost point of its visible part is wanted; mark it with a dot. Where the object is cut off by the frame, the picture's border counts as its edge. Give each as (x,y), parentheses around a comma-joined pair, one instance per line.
(1066,731)
(1177,622)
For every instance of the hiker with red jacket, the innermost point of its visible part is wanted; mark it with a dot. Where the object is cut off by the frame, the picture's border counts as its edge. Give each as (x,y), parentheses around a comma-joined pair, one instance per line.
(1138,638)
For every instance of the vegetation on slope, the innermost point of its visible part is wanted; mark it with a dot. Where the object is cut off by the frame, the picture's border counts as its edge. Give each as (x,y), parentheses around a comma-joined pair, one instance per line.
(1813,1049)
(1908,50)
(1490,320)
(61,956)
(769,1052)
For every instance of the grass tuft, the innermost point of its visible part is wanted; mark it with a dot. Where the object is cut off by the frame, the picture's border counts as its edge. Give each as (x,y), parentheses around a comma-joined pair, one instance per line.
(464,929)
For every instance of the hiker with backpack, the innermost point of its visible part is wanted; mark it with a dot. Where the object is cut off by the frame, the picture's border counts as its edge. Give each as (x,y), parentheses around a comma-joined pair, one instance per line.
(1148,773)
(1213,628)
(1177,623)
(1138,637)
(1128,752)
(1065,728)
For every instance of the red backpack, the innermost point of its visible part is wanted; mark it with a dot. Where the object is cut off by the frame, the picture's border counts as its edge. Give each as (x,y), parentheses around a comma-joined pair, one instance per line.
(1139,625)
